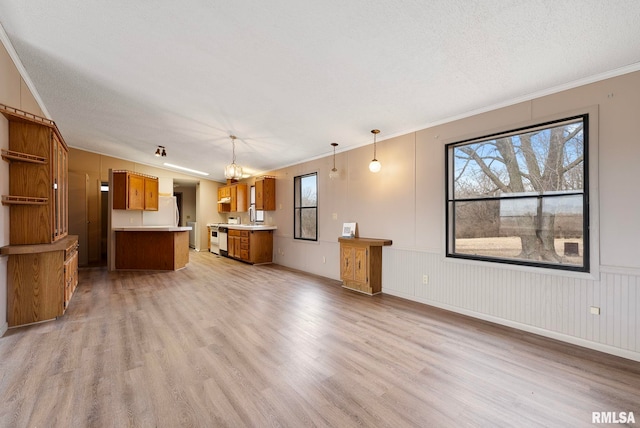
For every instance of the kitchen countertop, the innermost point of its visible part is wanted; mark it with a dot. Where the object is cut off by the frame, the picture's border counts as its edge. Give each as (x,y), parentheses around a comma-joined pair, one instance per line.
(250,227)
(153,229)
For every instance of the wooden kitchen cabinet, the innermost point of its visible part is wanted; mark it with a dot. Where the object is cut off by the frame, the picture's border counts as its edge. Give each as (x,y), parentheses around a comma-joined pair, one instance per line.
(40,280)
(361,264)
(266,193)
(42,268)
(70,271)
(150,193)
(232,198)
(134,191)
(233,243)
(38,193)
(251,246)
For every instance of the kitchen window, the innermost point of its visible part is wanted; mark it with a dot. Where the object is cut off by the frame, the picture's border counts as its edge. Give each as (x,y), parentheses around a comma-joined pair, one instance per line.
(305,207)
(521,197)
(255,215)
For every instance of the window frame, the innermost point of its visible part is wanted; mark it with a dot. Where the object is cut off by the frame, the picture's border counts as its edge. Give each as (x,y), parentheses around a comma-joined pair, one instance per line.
(297,217)
(258,215)
(450,199)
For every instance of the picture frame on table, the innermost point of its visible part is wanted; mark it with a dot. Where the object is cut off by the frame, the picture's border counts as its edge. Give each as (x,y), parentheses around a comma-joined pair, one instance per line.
(349,230)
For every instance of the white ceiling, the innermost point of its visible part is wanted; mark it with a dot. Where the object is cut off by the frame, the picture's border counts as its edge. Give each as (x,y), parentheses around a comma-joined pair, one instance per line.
(288,77)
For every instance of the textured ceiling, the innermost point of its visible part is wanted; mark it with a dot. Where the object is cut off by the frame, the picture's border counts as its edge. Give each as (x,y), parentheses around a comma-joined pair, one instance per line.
(288,77)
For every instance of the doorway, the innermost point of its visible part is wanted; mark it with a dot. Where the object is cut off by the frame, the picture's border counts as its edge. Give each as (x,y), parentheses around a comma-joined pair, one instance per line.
(104,222)
(79,213)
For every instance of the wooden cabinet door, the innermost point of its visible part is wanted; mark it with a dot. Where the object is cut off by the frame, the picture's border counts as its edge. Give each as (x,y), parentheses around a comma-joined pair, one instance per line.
(234,199)
(150,194)
(242,198)
(266,194)
(236,247)
(260,194)
(224,192)
(70,277)
(346,262)
(135,185)
(59,188)
(360,267)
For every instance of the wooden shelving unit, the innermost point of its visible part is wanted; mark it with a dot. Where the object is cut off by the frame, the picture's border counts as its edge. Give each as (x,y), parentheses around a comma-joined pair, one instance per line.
(43,259)
(10,155)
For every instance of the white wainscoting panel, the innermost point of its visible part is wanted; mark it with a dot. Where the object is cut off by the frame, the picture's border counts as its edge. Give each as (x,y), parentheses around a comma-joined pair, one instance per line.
(554,305)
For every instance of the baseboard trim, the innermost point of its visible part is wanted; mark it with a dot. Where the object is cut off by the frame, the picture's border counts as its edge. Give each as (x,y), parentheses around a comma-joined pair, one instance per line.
(3,328)
(630,355)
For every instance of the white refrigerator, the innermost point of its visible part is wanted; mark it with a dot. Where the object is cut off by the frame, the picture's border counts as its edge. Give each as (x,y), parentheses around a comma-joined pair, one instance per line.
(167,214)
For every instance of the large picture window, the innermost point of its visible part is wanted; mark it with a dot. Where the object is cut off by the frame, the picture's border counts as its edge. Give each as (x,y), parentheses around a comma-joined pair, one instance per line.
(521,197)
(305,207)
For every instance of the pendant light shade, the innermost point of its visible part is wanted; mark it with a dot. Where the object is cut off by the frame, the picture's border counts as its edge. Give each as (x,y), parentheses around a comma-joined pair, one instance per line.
(233,171)
(375,165)
(334,172)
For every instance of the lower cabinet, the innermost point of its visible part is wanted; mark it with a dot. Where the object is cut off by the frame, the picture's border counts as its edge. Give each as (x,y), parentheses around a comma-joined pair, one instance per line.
(233,243)
(361,264)
(255,246)
(70,272)
(41,279)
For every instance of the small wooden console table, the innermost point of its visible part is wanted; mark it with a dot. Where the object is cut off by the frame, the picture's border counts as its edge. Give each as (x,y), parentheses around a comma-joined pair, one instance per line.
(361,264)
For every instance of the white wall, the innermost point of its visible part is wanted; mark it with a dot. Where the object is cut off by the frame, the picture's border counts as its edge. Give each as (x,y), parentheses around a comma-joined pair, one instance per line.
(188,203)
(405,203)
(207,210)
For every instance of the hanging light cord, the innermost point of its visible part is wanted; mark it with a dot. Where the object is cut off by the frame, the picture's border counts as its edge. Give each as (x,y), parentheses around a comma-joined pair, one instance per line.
(375,134)
(233,148)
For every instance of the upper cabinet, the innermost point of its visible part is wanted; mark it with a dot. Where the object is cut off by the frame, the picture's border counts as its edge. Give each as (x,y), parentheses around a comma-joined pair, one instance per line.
(232,198)
(266,193)
(134,191)
(38,194)
(150,193)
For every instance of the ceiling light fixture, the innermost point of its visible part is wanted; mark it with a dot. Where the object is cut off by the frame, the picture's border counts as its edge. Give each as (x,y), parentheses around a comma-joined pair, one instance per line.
(334,172)
(162,152)
(375,165)
(182,168)
(233,171)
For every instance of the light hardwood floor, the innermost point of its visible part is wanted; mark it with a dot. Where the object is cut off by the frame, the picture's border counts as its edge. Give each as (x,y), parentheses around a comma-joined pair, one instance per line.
(222,343)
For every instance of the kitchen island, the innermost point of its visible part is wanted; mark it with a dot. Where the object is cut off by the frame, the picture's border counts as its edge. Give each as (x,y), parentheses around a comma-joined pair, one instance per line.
(152,247)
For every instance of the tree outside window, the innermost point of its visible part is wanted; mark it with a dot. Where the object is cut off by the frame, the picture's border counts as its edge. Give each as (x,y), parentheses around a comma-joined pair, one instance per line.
(305,207)
(521,196)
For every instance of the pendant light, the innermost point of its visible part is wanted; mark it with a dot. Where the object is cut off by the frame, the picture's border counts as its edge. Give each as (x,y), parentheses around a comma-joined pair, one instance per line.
(374,165)
(233,171)
(334,172)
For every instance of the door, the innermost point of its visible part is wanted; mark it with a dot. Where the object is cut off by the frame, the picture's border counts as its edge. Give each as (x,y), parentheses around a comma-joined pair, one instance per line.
(78,213)
(150,194)
(346,264)
(136,192)
(360,265)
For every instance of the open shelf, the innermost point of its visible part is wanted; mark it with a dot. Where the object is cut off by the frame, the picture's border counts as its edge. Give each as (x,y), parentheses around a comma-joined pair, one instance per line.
(23,200)
(11,155)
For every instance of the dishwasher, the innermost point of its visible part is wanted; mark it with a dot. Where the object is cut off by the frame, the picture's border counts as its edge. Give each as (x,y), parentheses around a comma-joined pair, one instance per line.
(222,240)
